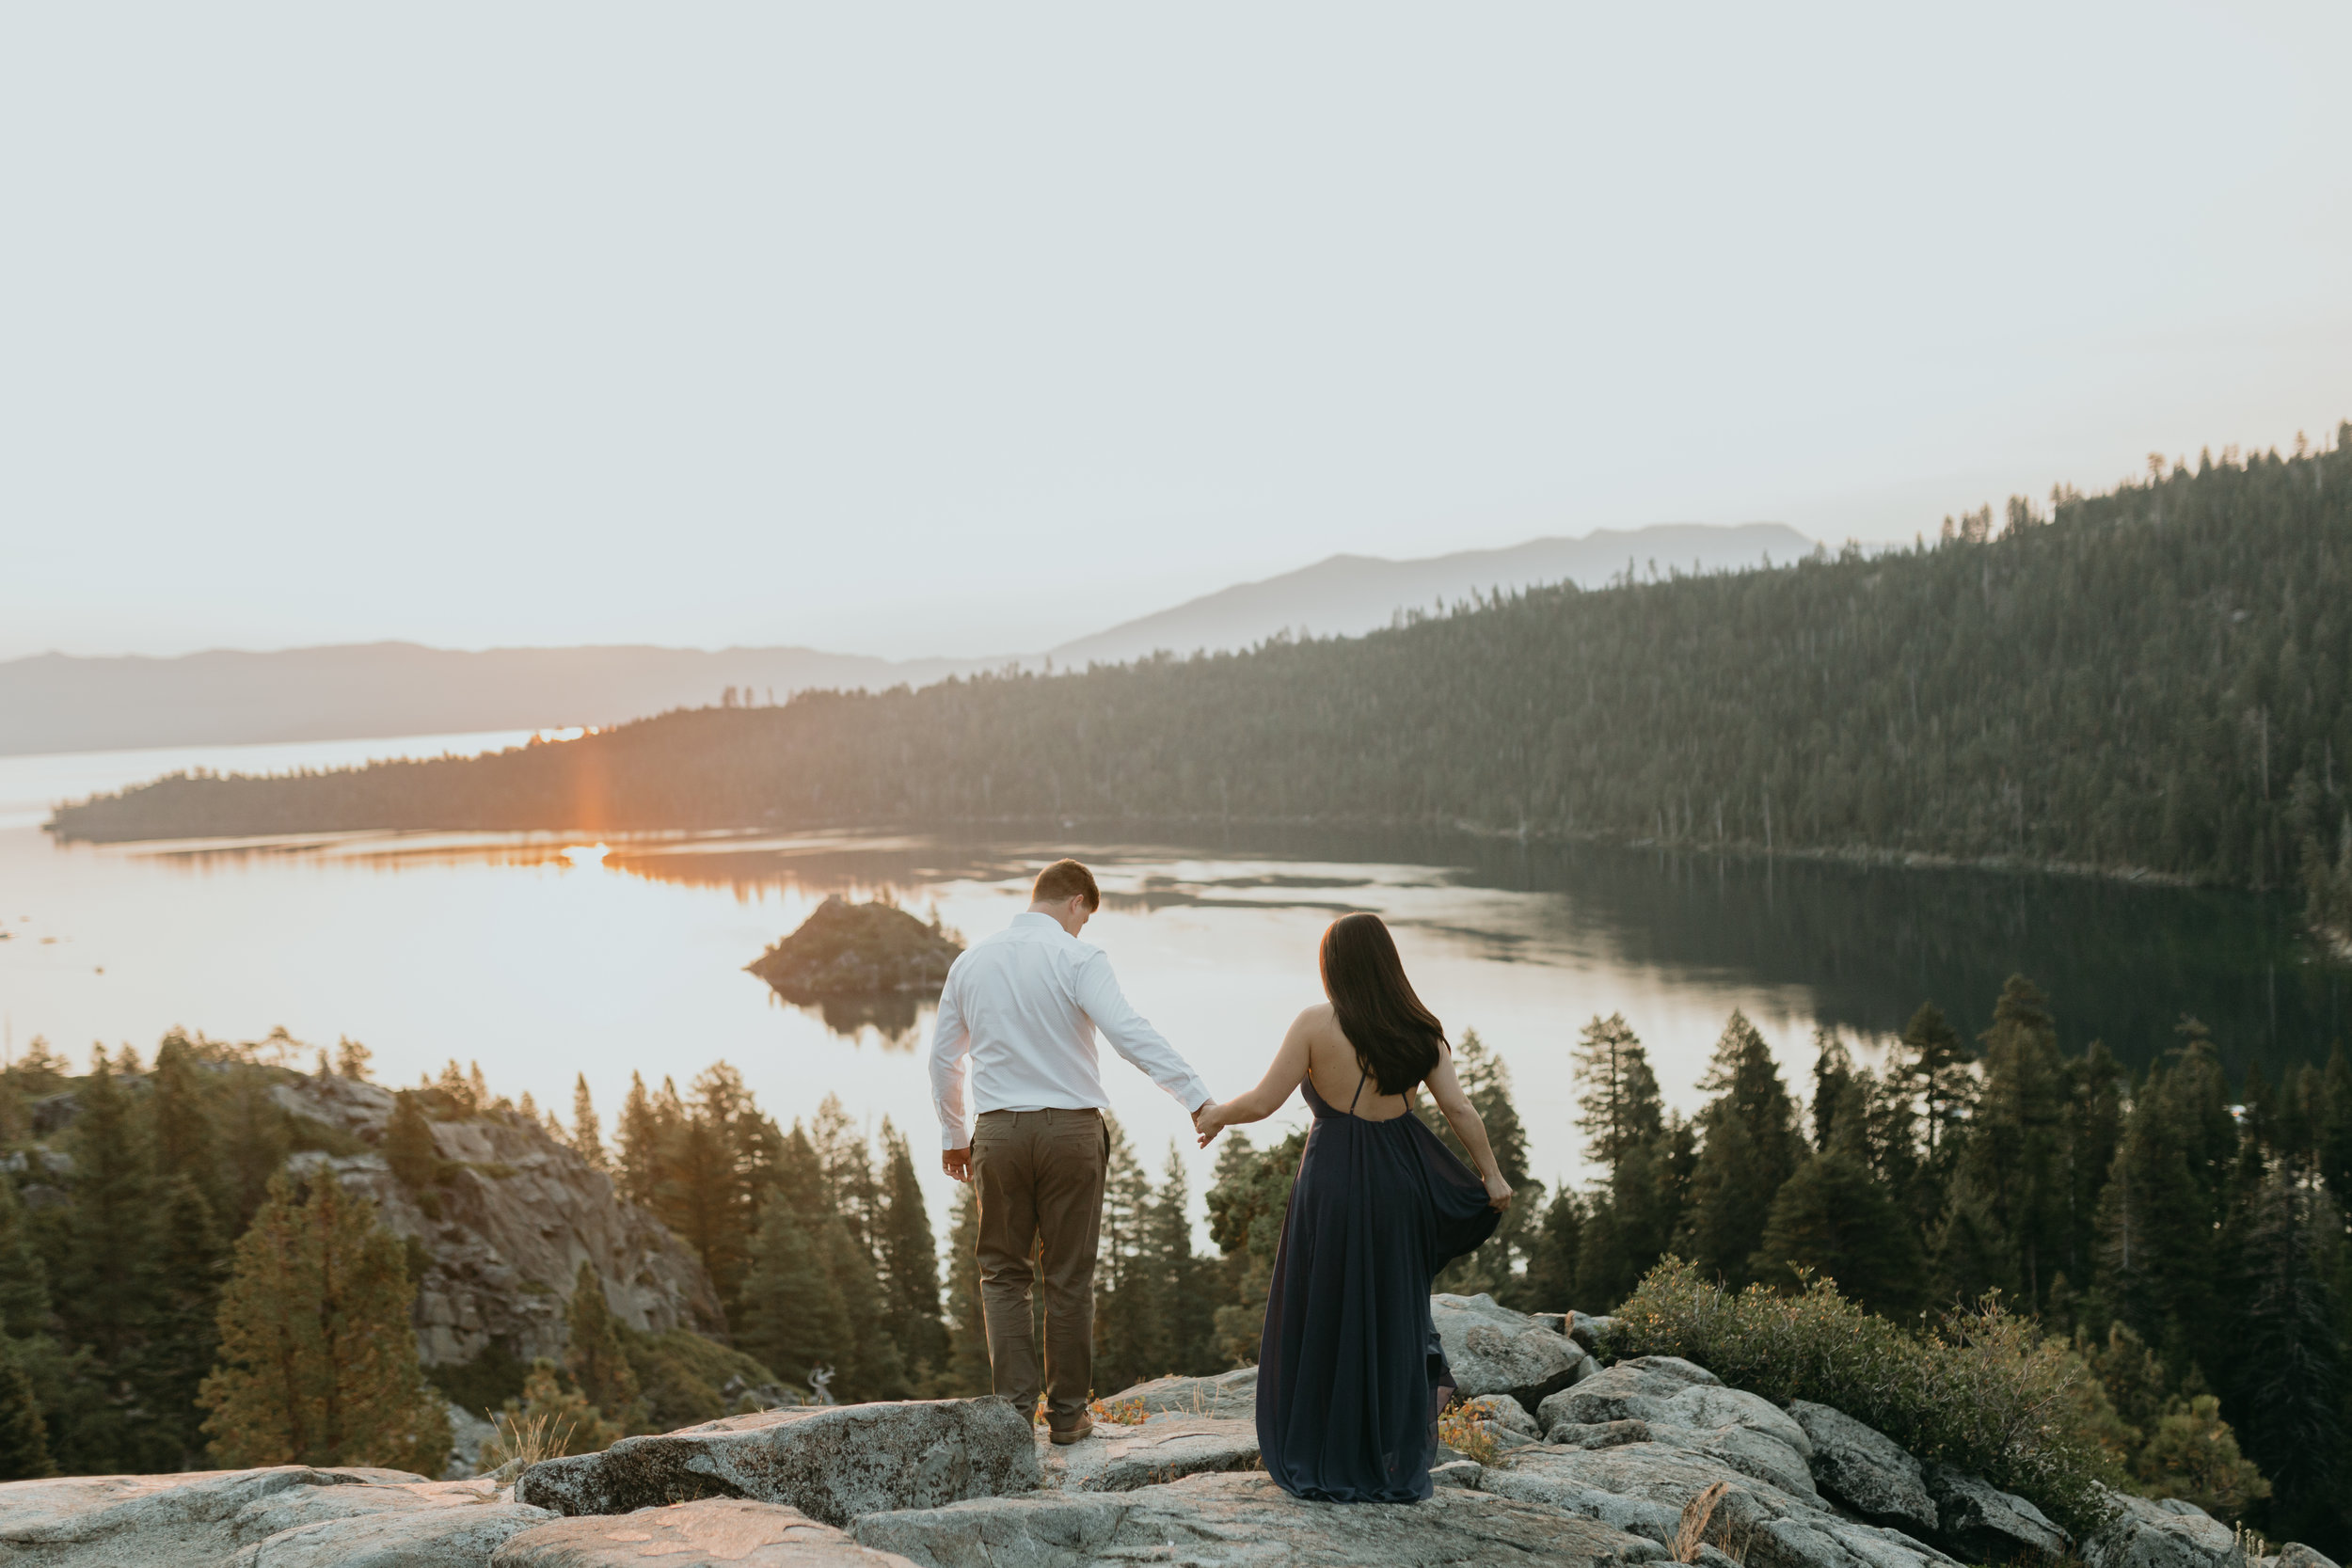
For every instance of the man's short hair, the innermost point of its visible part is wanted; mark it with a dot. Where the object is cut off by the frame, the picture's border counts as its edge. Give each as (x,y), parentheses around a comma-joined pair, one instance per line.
(1066,880)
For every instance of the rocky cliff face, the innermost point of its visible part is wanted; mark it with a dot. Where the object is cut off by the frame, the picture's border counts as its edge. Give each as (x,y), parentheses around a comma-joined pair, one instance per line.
(505,1232)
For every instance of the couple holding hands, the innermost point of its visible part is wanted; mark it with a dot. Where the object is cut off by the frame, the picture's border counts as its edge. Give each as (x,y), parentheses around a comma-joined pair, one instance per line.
(1350,1376)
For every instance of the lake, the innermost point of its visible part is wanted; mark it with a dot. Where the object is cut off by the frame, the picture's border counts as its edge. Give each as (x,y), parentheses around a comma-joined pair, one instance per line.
(542,956)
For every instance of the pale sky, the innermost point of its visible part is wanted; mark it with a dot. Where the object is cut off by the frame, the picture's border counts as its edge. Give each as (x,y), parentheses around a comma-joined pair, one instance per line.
(959,329)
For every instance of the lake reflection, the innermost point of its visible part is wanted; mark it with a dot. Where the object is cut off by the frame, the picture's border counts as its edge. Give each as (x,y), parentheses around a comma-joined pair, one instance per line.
(543,956)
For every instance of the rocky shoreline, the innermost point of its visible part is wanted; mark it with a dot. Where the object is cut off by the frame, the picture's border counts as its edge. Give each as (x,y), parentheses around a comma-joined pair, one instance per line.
(1586,1466)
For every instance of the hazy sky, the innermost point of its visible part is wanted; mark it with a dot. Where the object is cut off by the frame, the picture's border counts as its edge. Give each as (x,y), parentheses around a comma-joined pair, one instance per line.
(970,328)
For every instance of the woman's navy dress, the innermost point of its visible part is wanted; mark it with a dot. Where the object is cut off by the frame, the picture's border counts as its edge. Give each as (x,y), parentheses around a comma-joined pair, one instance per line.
(1350,1376)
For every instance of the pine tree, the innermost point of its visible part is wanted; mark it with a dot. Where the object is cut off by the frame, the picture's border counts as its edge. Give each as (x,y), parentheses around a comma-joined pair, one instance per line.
(409,1146)
(1937,1068)
(1833,1083)
(24,1436)
(24,1277)
(1620,1103)
(2156,1256)
(258,1139)
(1248,1203)
(1188,1306)
(2093,1123)
(1550,1282)
(2012,1149)
(1834,1218)
(183,1334)
(1126,1289)
(595,1356)
(640,1166)
(1969,1251)
(794,1319)
(108,1283)
(1749,1146)
(318,1360)
(2291,1386)
(876,1369)
(587,1141)
(180,1120)
(967,1370)
(910,1264)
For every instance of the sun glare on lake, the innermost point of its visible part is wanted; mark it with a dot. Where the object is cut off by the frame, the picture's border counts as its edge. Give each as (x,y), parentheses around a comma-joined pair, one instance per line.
(586,854)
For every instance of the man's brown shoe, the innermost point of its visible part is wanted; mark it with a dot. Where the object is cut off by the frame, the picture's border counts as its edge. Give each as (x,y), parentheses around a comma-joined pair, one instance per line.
(1076,1434)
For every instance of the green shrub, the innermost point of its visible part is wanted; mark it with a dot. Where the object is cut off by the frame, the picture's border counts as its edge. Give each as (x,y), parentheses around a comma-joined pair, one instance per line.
(1983,1391)
(680,1374)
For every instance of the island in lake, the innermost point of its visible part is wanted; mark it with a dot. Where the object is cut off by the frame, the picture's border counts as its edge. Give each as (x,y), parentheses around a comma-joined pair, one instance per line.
(861,964)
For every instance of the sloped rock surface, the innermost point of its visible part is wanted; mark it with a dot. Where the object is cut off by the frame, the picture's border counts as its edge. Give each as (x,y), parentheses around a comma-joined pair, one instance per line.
(1235,1520)
(1232,1396)
(832,1463)
(1867,1470)
(283,1516)
(1670,1403)
(1165,1447)
(1494,1349)
(2296,1555)
(705,1534)
(1643,1488)
(518,1214)
(1985,1523)
(2147,1534)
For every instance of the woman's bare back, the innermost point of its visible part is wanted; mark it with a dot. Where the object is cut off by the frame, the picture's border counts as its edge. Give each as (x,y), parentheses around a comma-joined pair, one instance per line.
(1335,1071)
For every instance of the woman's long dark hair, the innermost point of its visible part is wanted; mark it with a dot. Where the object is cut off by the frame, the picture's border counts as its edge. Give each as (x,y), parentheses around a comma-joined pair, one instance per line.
(1396,1038)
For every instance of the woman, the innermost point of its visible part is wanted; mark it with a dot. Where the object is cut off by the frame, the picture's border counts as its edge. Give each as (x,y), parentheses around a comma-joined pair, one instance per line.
(1350,1376)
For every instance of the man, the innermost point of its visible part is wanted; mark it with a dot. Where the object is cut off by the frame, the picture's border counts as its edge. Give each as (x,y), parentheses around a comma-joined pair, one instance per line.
(1018,1016)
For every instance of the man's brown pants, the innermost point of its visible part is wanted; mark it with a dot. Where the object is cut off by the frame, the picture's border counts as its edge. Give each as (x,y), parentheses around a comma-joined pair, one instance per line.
(1040,1175)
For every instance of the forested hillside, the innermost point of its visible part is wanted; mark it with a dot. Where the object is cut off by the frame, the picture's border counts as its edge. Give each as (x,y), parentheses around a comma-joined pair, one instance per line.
(2155,678)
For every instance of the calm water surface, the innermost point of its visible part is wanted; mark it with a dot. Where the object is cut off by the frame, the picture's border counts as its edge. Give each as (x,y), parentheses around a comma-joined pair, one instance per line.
(542,956)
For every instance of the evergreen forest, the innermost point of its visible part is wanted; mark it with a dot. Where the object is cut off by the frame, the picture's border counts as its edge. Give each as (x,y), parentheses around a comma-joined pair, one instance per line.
(2157,679)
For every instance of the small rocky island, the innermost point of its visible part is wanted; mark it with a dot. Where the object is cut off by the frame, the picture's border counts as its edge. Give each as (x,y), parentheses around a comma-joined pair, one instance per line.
(861,964)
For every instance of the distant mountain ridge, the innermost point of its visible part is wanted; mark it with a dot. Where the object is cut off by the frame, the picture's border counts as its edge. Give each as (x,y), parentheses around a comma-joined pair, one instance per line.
(361,690)
(1346,596)
(58,702)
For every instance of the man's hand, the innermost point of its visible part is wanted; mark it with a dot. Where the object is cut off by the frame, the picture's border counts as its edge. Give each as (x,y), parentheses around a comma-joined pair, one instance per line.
(1206,1123)
(957,1163)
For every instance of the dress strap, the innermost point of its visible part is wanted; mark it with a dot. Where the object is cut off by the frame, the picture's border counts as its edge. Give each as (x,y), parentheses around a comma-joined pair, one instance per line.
(1360,1076)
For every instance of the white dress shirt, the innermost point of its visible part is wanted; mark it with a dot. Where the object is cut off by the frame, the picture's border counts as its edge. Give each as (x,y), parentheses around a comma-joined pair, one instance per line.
(1018,1015)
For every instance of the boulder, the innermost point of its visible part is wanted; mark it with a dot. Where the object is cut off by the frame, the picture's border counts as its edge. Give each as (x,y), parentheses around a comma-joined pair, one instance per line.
(2146,1534)
(1231,1395)
(1644,1488)
(1162,1448)
(281,1516)
(2296,1555)
(1493,1350)
(1237,1519)
(1505,1416)
(1674,1403)
(1588,1330)
(833,1463)
(1984,1523)
(1864,1469)
(1629,1391)
(703,1534)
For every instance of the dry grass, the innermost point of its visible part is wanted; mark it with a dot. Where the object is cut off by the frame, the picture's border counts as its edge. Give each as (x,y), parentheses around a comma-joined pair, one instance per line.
(522,1444)
(1699,1513)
